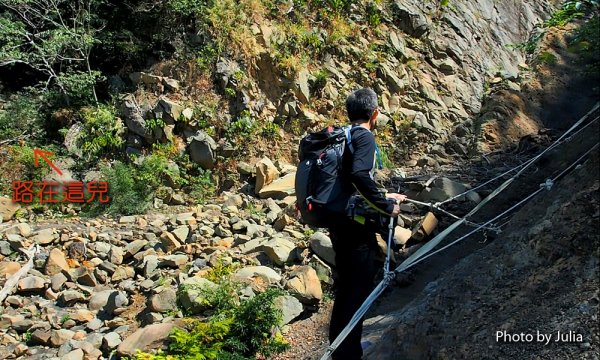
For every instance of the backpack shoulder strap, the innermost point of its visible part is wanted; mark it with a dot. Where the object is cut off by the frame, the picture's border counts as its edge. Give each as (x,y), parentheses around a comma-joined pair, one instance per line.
(349,130)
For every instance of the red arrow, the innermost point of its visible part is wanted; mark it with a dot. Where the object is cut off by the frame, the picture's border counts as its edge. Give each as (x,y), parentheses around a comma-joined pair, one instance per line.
(43,154)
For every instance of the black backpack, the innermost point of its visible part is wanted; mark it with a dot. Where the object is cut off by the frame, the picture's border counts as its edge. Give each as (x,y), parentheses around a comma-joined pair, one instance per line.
(319,190)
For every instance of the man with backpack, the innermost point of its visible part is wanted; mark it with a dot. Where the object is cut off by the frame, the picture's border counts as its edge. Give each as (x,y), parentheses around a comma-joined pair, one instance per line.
(335,189)
(354,243)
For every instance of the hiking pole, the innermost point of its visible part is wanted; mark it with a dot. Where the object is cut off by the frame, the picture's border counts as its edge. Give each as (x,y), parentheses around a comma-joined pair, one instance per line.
(391,228)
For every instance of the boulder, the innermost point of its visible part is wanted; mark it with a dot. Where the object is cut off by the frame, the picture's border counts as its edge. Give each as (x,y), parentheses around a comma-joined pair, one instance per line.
(8,208)
(305,285)
(133,118)
(192,293)
(290,308)
(111,341)
(279,250)
(31,284)
(72,139)
(107,301)
(266,173)
(202,149)
(134,247)
(61,336)
(76,354)
(252,272)
(169,241)
(151,337)
(280,188)
(163,301)
(322,246)
(8,268)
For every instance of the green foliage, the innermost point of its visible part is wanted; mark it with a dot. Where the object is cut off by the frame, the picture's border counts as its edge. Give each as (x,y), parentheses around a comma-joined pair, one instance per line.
(243,127)
(201,186)
(240,332)
(102,131)
(17,164)
(270,130)
(221,271)
(373,14)
(569,12)
(547,58)
(152,124)
(21,115)
(132,186)
(586,42)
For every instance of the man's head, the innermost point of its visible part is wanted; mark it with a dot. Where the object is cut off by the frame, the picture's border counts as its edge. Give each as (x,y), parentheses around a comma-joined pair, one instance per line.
(362,107)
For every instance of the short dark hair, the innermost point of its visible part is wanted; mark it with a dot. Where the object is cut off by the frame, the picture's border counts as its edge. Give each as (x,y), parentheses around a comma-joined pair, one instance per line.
(361,104)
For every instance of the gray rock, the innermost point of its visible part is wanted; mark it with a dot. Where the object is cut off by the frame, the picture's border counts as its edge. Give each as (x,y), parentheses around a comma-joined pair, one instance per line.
(107,301)
(150,337)
(133,118)
(251,272)
(76,354)
(115,255)
(182,233)
(290,308)
(322,246)
(71,141)
(110,341)
(94,324)
(123,273)
(163,301)
(202,149)
(301,86)
(45,236)
(134,247)
(174,261)
(70,297)
(150,265)
(410,21)
(5,248)
(280,250)
(31,284)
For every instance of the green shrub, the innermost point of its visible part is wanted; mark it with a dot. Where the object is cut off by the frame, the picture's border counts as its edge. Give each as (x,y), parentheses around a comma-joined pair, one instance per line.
(17,164)
(243,127)
(131,187)
(569,12)
(201,186)
(102,131)
(240,332)
(21,114)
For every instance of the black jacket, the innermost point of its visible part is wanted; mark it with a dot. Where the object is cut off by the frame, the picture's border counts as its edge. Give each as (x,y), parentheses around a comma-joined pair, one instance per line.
(359,168)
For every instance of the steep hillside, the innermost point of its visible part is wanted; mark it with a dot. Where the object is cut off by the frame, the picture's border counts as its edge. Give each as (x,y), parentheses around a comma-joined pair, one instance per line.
(190,112)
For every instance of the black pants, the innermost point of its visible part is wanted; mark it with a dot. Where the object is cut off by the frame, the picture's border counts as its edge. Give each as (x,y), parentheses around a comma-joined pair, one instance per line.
(355,252)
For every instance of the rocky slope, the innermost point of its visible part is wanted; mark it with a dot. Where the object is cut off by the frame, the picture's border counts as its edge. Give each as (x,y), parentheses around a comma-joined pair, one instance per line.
(110,285)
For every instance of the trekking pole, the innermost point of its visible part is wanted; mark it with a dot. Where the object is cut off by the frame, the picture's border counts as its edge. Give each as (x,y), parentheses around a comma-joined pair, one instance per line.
(391,228)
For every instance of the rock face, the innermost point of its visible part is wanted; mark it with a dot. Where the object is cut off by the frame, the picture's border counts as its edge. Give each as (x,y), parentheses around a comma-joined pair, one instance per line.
(144,339)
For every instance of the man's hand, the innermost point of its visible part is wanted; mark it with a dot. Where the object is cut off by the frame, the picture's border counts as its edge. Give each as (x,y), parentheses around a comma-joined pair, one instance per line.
(398,197)
(396,211)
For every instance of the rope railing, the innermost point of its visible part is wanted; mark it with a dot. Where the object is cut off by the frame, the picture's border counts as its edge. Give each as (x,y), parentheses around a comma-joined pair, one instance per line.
(425,251)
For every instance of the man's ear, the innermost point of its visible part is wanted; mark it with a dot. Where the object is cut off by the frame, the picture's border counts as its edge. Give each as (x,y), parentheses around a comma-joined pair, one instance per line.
(375,114)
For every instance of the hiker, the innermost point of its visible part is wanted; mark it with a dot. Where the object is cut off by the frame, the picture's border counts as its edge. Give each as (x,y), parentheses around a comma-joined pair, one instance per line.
(355,244)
